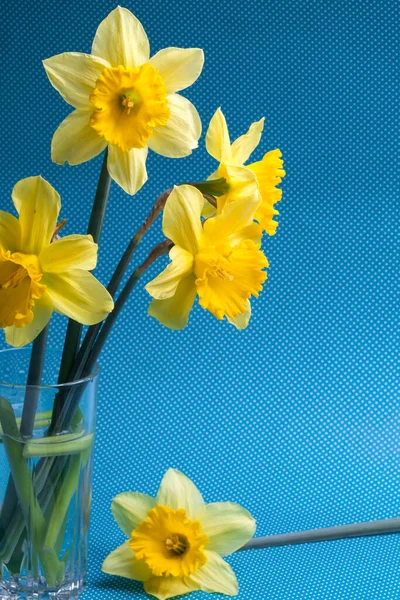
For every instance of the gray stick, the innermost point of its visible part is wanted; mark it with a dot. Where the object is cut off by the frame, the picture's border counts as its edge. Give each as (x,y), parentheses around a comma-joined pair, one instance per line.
(327,534)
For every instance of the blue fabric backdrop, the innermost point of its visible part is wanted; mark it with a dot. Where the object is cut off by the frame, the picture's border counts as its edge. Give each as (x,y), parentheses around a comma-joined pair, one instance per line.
(297,417)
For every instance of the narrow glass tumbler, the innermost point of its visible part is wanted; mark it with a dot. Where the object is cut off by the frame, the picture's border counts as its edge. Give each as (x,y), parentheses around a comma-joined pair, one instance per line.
(46,443)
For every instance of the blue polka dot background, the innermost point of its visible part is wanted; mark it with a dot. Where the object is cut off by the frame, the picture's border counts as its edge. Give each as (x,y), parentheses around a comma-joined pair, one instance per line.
(297,417)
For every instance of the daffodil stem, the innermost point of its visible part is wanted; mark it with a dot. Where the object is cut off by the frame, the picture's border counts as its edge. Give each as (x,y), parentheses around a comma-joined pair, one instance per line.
(116,279)
(74,329)
(83,370)
(135,241)
(70,350)
(30,508)
(34,379)
(27,421)
(100,202)
(159,250)
(371,528)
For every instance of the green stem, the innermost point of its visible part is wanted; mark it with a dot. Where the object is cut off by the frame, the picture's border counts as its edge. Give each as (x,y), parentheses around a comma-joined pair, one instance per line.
(74,329)
(159,250)
(41,421)
(59,445)
(72,399)
(61,506)
(26,424)
(11,543)
(20,472)
(68,489)
(34,380)
(116,279)
(100,202)
(70,350)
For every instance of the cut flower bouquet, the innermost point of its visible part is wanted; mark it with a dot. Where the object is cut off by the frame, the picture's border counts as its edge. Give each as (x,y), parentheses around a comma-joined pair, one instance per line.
(124,103)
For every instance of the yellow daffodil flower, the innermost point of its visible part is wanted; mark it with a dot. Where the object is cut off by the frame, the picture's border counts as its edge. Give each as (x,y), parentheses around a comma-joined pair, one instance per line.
(267,172)
(176,540)
(125,100)
(39,274)
(219,260)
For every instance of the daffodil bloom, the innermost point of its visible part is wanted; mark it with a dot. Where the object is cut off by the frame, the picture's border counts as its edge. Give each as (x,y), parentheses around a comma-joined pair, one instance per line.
(39,274)
(125,100)
(176,540)
(218,259)
(267,172)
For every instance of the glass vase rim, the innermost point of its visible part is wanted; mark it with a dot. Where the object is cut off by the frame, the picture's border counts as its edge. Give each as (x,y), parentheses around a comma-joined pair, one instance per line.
(68,384)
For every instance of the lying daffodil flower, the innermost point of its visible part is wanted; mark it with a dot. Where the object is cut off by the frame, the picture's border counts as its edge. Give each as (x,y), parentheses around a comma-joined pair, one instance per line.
(39,275)
(125,100)
(219,260)
(176,540)
(267,172)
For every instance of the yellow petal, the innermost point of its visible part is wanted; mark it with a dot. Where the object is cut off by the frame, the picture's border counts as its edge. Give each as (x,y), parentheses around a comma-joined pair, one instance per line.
(241,321)
(182,218)
(209,209)
(251,232)
(78,295)
(74,76)
(179,67)
(165,285)
(234,217)
(128,169)
(70,252)
(245,144)
(174,312)
(178,491)
(215,576)
(242,183)
(21,336)
(75,141)
(217,140)
(122,562)
(181,133)
(10,232)
(228,526)
(130,509)
(38,206)
(121,40)
(169,587)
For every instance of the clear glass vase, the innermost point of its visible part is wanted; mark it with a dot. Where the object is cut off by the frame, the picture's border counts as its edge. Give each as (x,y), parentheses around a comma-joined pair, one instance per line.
(46,442)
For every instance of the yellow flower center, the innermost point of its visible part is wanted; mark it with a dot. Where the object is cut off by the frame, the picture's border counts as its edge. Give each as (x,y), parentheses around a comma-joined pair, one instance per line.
(176,544)
(169,542)
(129,104)
(19,288)
(227,277)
